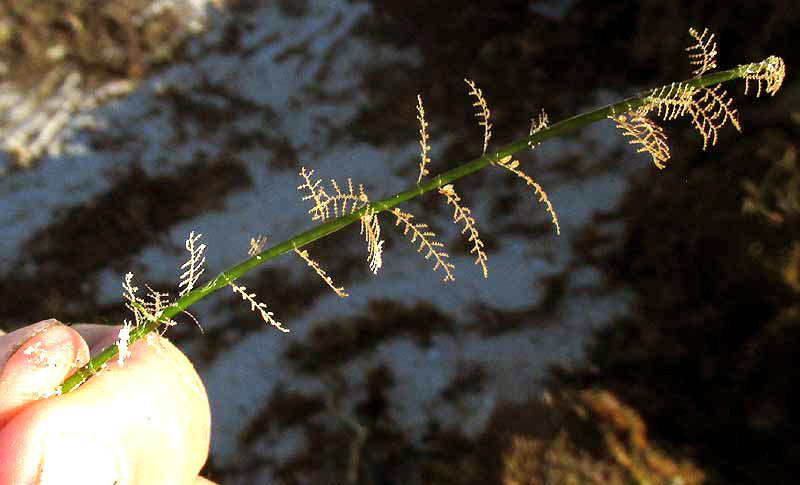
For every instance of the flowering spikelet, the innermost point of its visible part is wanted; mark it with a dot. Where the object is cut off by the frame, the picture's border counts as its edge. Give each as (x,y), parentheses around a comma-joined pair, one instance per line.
(257,245)
(123,352)
(462,213)
(710,108)
(646,133)
(537,125)
(670,101)
(194,266)
(423,140)
(771,71)
(371,230)
(483,112)
(711,111)
(320,210)
(255,306)
(135,303)
(703,53)
(513,167)
(345,203)
(341,202)
(321,272)
(421,233)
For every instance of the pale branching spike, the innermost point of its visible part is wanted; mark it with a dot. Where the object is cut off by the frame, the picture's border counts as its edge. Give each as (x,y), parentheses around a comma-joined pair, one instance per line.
(255,306)
(354,198)
(371,230)
(257,245)
(123,352)
(646,133)
(342,202)
(538,125)
(135,303)
(338,196)
(321,210)
(483,112)
(703,52)
(423,140)
(155,307)
(194,266)
(709,108)
(362,195)
(426,241)
(512,166)
(316,267)
(772,71)
(143,312)
(462,213)
(346,202)
(130,290)
(710,113)
(670,101)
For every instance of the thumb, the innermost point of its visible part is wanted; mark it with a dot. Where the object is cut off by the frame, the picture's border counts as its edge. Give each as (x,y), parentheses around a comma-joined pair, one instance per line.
(34,361)
(142,423)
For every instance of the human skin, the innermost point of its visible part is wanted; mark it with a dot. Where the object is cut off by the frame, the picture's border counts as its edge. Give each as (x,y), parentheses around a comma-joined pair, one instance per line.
(146,422)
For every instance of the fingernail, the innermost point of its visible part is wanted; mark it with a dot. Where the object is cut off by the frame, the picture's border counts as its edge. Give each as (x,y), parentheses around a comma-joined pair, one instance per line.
(77,458)
(47,357)
(22,335)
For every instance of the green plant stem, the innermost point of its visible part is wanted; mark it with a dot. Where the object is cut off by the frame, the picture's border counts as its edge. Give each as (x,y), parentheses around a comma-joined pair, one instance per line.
(231,274)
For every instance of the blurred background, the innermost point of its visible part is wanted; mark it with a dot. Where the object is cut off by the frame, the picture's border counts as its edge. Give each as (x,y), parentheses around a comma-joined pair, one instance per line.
(652,342)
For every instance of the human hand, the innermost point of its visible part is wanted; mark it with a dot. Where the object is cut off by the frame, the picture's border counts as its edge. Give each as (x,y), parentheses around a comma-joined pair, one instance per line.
(144,423)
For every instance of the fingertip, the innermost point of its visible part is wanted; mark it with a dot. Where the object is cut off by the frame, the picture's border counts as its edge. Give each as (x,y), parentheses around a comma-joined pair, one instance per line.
(9,343)
(39,365)
(151,412)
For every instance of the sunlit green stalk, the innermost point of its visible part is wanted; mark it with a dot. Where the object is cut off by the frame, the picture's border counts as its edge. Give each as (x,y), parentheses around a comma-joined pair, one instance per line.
(433,183)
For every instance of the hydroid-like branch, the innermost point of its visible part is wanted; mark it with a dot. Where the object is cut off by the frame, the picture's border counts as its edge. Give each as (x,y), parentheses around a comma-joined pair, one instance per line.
(424,160)
(346,203)
(420,233)
(461,213)
(157,302)
(483,112)
(122,343)
(343,198)
(537,125)
(646,133)
(194,266)
(143,311)
(257,245)
(670,101)
(371,230)
(320,210)
(321,272)
(513,167)
(342,202)
(703,53)
(255,306)
(709,108)
(771,71)
(710,113)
